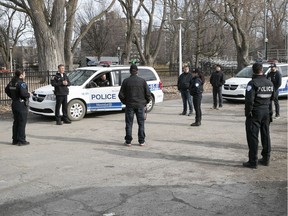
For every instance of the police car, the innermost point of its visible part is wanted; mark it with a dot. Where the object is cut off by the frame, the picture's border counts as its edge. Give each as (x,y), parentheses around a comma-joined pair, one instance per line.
(235,88)
(86,96)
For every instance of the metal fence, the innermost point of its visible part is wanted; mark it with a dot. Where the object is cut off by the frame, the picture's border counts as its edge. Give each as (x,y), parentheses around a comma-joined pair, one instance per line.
(34,80)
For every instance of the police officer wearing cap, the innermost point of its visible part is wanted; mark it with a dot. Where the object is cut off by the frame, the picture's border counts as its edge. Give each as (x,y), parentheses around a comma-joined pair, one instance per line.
(276,78)
(17,90)
(259,94)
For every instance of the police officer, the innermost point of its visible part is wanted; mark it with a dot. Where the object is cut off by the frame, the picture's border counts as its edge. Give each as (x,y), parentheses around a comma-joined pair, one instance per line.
(17,90)
(103,81)
(259,94)
(196,90)
(276,78)
(61,82)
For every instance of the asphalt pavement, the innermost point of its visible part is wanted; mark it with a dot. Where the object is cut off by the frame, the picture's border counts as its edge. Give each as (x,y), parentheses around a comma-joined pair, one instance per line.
(84,169)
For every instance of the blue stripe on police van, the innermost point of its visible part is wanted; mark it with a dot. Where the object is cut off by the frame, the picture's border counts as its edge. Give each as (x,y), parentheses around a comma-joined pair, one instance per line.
(283,90)
(97,106)
(154,87)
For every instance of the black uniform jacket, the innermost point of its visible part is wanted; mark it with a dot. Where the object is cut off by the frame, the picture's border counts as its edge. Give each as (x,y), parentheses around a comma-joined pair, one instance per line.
(57,82)
(276,79)
(17,89)
(134,92)
(259,93)
(196,86)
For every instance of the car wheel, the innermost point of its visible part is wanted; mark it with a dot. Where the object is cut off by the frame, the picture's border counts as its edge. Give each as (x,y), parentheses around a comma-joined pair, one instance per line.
(150,105)
(76,110)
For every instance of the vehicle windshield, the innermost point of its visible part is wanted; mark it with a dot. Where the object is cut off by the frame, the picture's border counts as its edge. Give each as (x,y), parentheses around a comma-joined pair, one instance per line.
(247,72)
(78,77)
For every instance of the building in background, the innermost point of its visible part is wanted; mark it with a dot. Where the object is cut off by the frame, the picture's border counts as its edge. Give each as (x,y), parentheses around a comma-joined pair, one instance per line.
(107,38)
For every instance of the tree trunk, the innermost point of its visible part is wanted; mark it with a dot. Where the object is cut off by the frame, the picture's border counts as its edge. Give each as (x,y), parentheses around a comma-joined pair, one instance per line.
(242,47)
(49,34)
(50,51)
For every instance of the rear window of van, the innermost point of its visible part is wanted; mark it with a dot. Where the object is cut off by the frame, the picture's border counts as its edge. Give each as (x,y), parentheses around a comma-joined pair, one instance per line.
(146,74)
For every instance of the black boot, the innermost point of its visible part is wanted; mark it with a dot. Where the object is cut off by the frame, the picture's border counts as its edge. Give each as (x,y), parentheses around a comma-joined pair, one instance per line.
(250,165)
(67,121)
(264,162)
(196,124)
(58,122)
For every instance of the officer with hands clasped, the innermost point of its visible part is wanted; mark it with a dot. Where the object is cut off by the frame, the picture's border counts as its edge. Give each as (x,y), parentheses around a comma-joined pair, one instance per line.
(61,82)
(276,78)
(259,94)
(17,90)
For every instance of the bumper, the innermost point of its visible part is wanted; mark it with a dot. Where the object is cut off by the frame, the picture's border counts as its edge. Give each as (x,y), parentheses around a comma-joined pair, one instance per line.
(234,95)
(46,108)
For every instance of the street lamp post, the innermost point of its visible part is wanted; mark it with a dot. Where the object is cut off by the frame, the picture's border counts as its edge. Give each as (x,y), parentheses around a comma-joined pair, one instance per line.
(180,20)
(265,30)
(119,55)
(266,48)
(11,59)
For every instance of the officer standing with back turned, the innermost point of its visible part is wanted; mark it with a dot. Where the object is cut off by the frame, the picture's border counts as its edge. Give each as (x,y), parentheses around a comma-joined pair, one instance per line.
(258,112)
(17,90)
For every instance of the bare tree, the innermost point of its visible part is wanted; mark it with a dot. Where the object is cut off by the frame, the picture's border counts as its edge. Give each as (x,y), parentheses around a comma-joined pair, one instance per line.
(173,12)
(239,15)
(10,34)
(53,23)
(150,53)
(97,38)
(70,48)
(276,28)
(130,14)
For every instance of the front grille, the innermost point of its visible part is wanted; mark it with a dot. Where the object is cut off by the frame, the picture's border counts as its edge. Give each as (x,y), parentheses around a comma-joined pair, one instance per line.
(230,87)
(41,110)
(233,96)
(38,97)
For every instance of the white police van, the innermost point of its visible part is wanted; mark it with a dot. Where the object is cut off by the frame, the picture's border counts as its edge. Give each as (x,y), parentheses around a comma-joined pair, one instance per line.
(85,96)
(235,87)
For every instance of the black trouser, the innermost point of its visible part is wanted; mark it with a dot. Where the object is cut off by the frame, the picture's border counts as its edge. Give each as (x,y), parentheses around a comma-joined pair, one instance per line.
(217,91)
(276,102)
(129,117)
(260,121)
(197,106)
(20,112)
(61,100)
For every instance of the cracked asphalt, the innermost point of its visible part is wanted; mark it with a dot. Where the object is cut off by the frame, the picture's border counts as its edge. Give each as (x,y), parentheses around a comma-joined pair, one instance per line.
(84,169)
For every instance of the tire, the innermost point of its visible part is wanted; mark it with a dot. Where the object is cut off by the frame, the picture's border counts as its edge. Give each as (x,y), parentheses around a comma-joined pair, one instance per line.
(76,110)
(150,105)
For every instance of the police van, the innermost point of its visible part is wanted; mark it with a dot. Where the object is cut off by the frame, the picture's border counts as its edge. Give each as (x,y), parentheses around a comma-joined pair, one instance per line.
(235,87)
(86,96)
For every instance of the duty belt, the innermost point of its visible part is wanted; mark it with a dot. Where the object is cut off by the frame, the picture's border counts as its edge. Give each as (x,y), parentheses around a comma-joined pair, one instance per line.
(21,100)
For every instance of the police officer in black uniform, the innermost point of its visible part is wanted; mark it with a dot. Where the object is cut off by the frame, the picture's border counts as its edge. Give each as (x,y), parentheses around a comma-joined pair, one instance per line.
(61,82)
(196,90)
(17,90)
(259,94)
(103,81)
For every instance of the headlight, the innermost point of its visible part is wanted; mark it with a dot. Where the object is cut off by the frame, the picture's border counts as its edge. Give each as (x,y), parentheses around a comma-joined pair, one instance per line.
(50,97)
(243,86)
